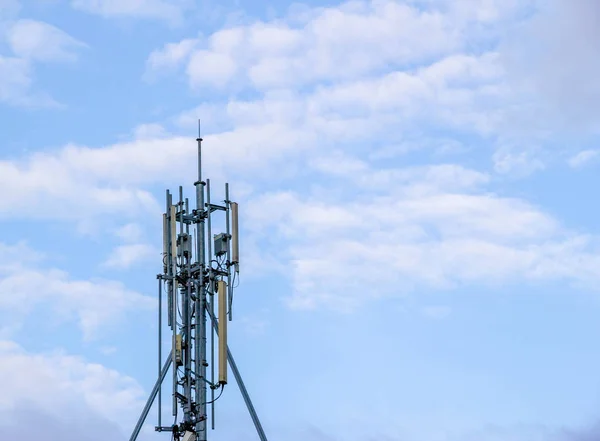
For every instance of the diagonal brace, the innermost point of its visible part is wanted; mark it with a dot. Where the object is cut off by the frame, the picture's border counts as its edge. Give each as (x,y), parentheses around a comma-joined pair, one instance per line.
(151,398)
(240,382)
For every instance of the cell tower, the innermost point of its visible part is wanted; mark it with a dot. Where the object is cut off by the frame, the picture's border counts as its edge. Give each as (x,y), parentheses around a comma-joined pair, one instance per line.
(198,271)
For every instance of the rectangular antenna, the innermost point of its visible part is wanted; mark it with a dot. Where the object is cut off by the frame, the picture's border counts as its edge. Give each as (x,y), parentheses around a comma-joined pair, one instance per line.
(235,241)
(222,290)
(174,241)
(178,350)
(165,242)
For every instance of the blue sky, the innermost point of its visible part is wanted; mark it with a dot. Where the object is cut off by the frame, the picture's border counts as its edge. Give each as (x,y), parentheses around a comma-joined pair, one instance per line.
(416,179)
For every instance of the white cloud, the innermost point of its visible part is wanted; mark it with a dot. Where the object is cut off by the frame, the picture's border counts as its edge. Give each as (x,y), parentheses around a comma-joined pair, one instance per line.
(338,163)
(149,132)
(553,66)
(65,389)
(31,41)
(170,11)
(446,89)
(15,80)
(113,179)
(13,256)
(39,41)
(131,232)
(171,55)
(431,229)
(51,185)
(212,68)
(457,92)
(517,161)
(314,47)
(456,78)
(454,91)
(94,304)
(439,220)
(479,11)
(125,256)
(583,158)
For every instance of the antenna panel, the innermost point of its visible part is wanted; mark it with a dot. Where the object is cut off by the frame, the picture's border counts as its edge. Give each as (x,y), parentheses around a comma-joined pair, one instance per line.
(222,291)
(173,239)
(165,242)
(235,244)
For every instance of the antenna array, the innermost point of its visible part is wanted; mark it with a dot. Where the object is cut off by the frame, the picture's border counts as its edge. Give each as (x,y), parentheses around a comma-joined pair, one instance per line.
(199,273)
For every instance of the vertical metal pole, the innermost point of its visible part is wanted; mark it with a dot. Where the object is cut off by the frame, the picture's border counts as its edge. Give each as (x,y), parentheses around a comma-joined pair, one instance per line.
(173,297)
(212,334)
(200,347)
(159,349)
(186,312)
(181,292)
(181,295)
(228,231)
(202,435)
(168,260)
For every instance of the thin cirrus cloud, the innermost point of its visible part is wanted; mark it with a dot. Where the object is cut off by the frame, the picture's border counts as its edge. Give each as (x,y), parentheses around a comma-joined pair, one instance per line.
(583,158)
(125,256)
(33,42)
(170,11)
(15,80)
(38,41)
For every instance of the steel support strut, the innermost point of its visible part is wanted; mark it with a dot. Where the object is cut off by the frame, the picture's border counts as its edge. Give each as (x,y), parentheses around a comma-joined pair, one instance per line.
(148,406)
(238,379)
(241,385)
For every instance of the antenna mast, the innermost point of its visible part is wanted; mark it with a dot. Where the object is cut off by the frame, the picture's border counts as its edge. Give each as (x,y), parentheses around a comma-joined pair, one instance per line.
(198,273)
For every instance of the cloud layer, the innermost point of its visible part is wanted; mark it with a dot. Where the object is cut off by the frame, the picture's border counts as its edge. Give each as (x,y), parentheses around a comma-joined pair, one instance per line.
(171,10)
(31,42)
(433,226)
(368,143)
(75,399)
(92,304)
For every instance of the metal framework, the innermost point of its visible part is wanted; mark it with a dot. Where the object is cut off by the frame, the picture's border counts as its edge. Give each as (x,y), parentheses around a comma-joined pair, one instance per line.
(199,272)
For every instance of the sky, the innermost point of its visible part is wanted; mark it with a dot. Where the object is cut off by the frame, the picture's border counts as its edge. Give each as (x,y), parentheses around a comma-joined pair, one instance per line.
(420,251)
